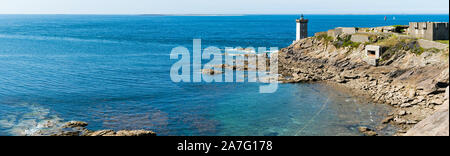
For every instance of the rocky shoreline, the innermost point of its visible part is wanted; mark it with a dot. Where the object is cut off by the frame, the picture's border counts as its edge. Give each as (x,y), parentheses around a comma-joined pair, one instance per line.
(78,128)
(414,84)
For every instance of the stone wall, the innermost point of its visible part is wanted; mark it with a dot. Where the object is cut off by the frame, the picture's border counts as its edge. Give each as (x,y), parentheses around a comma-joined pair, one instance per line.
(341,30)
(429,30)
(362,38)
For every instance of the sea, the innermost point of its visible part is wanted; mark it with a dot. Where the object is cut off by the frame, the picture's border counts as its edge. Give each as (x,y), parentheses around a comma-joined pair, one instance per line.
(113,72)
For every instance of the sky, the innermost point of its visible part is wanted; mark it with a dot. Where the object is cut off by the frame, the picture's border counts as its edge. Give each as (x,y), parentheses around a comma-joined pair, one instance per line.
(224,6)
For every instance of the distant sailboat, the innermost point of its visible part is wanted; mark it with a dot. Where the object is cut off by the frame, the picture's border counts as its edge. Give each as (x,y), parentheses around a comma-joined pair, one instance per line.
(393,18)
(385,18)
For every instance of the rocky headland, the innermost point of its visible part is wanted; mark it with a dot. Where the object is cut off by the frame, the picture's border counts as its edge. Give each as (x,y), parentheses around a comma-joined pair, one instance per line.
(410,78)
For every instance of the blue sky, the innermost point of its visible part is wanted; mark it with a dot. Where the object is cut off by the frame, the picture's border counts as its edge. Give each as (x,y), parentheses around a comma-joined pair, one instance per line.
(224,6)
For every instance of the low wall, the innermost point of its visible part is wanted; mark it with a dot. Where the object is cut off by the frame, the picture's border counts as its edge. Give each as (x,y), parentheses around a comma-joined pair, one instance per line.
(426,44)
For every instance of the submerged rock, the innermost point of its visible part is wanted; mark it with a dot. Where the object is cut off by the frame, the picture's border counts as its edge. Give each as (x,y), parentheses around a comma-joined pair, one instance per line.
(367,131)
(387,119)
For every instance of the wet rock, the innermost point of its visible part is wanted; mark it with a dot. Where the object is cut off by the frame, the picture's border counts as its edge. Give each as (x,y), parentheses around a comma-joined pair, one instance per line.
(77,128)
(122,133)
(363,129)
(400,121)
(74,133)
(211,72)
(102,133)
(135,133)
(74,124)
(366,131)
(387,119)
(371,133)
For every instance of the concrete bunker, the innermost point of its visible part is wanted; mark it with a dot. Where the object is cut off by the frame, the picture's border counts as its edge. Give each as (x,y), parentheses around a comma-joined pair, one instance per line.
(373,54)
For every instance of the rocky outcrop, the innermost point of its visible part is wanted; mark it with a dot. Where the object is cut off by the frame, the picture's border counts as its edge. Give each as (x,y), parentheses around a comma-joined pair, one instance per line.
(78,128)
(74,124)
(412,83)
(121,133)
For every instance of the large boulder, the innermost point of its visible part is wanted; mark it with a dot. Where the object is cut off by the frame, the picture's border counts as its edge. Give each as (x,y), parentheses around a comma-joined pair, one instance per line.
(74,124)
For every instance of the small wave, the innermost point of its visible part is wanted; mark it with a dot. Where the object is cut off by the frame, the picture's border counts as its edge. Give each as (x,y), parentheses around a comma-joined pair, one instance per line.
(45,38)
(240,50)
(88,55)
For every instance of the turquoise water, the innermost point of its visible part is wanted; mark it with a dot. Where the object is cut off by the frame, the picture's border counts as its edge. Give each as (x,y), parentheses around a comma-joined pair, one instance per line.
(113,72)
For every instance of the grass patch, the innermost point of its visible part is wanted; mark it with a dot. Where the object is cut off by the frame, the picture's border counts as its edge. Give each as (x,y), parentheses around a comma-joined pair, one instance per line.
(393,45)
(389,42)
(417,50)
(442,41)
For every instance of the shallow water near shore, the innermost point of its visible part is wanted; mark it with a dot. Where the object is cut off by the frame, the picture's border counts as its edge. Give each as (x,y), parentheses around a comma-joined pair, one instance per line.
(113,72)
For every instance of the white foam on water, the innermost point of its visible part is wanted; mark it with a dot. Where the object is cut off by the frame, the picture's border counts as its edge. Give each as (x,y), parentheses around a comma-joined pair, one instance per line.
(34,123)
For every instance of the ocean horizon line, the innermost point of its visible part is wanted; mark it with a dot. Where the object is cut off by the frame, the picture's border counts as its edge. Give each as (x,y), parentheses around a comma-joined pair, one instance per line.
(156,14)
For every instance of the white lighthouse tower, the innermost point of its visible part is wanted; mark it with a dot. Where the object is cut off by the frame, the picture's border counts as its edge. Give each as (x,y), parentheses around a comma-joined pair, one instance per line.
(302,28)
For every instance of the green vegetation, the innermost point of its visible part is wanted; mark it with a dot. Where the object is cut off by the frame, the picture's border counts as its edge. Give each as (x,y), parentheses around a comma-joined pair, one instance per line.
(346,42)
(351,44)
(395,45)
(433,50)
(417,50)
(325,37)
(392,45)
(442,41)
(389,42)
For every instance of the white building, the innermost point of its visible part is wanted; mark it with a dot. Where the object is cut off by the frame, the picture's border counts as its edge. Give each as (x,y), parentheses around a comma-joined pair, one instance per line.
(302,28)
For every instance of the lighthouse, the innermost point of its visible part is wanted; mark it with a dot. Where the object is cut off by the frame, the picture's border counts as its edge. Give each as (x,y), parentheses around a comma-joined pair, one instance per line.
(302,28)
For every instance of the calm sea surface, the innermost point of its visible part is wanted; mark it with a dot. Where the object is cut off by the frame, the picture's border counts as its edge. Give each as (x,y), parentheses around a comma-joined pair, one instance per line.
(113,72)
